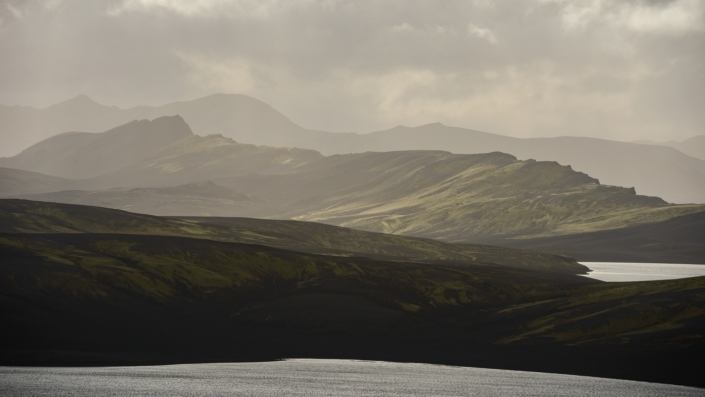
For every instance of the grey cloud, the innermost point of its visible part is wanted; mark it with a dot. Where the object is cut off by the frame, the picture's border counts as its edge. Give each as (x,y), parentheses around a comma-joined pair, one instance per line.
(626,70)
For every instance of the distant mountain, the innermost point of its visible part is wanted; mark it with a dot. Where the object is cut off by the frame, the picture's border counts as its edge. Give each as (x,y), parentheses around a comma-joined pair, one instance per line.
(197,159)
(14,182)
(246,119)
(694,146)
(84,155)
(652,170)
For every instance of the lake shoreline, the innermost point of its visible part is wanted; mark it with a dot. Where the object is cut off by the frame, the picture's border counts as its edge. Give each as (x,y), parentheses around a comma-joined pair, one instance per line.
(317,377)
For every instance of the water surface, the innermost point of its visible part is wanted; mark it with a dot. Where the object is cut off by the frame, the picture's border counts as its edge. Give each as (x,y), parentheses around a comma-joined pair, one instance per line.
(619,271)
(308,377)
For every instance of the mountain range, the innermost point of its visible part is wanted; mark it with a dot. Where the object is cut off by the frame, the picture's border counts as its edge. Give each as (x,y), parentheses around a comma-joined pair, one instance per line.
(433,194)
(378,252)
(655,170)
(694,146)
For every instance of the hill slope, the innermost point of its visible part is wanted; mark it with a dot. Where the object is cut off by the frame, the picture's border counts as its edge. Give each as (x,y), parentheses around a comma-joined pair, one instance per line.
(453,197)
(22,216)
(82,155)
(652,170)
(677,240)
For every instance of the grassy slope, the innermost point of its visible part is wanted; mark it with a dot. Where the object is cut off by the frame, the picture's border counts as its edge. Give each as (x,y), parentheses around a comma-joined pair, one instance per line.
(455,197)
(36,217)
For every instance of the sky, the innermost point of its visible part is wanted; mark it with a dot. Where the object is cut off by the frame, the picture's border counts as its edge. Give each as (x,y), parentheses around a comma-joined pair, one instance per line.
(622,70)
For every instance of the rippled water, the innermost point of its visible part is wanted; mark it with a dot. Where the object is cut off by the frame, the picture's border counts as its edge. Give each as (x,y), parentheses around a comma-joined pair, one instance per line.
(307,377)
(615,271)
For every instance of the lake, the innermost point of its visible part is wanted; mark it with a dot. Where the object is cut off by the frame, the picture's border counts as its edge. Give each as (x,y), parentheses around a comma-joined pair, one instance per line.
(616,271)
(311,377)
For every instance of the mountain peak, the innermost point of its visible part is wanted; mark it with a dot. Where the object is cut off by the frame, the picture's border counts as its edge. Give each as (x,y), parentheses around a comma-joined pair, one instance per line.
(79,101)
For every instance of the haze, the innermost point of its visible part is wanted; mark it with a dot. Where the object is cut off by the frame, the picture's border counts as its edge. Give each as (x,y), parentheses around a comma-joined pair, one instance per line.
(615,70)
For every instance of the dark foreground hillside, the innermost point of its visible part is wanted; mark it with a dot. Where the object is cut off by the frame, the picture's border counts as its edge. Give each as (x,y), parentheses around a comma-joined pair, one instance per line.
(677,240)
(94,298)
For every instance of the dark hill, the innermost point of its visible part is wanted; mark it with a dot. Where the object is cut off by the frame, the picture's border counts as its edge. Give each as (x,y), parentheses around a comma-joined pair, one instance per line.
(22,216)
(677,240)
(115,299)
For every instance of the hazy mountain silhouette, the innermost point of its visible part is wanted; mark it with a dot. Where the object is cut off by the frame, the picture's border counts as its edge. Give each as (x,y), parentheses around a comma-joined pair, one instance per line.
(243,118)
(197,159)
(83,155)
(694,146)
(652,170)
(14,181)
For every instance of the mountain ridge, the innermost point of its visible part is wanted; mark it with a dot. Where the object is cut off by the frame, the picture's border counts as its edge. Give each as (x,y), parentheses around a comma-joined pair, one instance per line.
(659,171)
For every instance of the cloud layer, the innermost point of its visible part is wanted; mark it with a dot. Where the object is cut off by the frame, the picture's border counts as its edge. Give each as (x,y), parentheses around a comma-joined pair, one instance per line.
(618,70)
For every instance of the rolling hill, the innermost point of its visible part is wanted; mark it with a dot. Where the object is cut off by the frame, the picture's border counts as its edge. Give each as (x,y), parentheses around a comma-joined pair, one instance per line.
(677,240)
(23,216)
(651,170)
(453,197)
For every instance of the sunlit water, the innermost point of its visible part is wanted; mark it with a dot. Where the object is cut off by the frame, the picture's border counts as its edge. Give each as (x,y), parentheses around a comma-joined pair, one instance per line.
(615,271)
(304,377)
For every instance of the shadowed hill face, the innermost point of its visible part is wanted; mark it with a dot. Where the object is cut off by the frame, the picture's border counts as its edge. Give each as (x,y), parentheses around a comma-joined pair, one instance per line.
(159,296)
(21,216)
(83,155)
(677,240)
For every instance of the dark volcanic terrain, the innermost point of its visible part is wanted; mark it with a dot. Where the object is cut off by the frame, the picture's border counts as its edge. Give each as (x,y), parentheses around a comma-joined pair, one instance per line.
(92,286)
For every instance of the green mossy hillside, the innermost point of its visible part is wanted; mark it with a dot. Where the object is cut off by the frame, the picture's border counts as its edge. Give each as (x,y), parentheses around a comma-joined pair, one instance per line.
(22,216)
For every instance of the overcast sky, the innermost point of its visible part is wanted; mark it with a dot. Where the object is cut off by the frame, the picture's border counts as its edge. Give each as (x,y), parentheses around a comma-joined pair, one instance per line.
(611,69)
